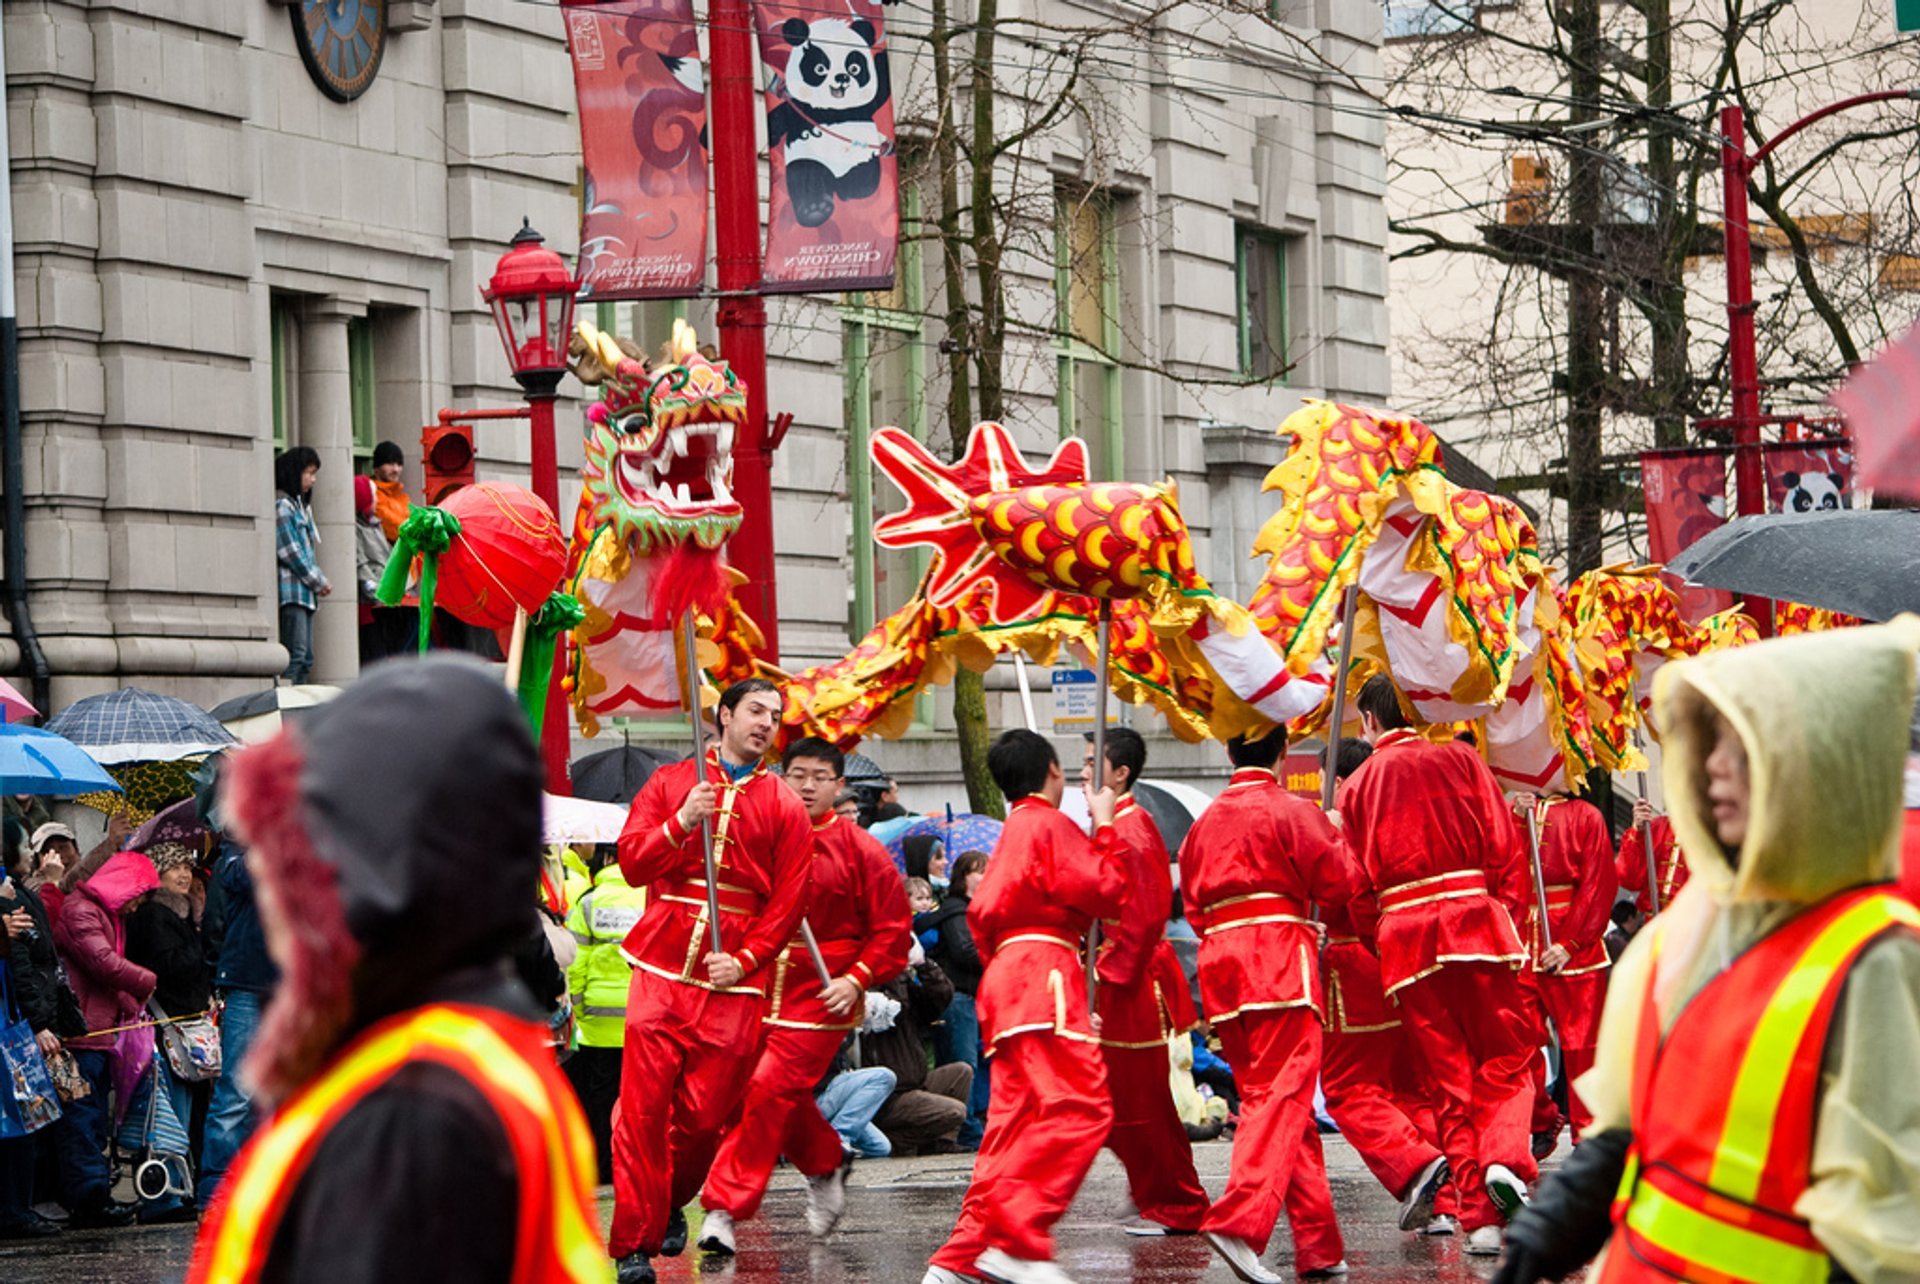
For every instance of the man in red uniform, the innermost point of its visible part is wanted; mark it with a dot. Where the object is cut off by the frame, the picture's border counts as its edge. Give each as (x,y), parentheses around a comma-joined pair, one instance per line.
(859,920)
(1576,864)
(1631,864)
(1045,885)
(1436,840)
(1251,870)
(693,1015)
(1368,1071)
(1138,1015)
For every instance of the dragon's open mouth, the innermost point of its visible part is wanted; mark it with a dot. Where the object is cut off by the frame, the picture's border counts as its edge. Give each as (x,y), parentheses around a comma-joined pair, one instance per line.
(687,474)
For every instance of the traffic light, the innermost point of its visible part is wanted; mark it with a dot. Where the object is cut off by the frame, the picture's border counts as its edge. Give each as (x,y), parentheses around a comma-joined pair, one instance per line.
(446,455)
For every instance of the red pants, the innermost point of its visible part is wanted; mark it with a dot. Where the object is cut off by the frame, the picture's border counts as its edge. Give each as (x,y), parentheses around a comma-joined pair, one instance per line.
(1374,1093)
(1047,1119)
(777,1118)
(1276,1150)
(1574,1003)
(688,1056)
(1149,1139)
(1474,1034)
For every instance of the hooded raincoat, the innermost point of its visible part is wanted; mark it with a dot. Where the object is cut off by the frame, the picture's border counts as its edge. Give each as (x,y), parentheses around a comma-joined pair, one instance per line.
(1824,722)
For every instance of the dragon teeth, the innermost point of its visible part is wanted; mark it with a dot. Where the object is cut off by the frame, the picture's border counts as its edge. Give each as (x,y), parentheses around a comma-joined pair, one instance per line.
(677,441)
(725,437)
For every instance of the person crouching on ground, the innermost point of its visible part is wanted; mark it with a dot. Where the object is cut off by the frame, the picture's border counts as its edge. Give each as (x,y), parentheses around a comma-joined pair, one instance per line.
(422,1129)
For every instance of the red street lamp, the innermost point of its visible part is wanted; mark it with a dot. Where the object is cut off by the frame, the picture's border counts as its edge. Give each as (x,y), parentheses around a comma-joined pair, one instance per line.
(1743,362)
(532,295)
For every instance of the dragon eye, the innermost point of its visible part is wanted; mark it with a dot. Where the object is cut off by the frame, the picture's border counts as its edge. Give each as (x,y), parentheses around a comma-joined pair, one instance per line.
(640,431)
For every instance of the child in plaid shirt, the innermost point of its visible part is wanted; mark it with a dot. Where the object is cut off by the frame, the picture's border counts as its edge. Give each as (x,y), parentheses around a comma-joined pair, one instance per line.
(302,582)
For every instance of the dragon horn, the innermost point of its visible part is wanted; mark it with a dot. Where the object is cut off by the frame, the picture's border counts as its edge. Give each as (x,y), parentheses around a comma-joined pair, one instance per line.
(608,351)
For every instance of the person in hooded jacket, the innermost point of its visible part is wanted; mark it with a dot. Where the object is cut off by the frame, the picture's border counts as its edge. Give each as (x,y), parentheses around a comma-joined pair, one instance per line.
(421,1127)
(91,935)
(1752,1092)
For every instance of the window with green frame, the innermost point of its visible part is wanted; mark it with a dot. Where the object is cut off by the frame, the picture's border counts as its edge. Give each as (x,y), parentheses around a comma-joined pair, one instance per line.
(361,391)
(1086,339)
(885,385)
(280,318)
(1260,277)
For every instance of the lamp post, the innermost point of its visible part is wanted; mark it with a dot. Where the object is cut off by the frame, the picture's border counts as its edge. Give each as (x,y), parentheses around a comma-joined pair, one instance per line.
(1743,361)
(532,296)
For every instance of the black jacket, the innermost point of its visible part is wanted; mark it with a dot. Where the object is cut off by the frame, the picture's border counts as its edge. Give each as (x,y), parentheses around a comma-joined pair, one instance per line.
(923,994)
(39,983)
(165,941)
(235,944)
(953,947)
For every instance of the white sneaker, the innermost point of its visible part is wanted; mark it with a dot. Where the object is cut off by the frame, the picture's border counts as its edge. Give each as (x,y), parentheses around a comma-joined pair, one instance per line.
(1485,1242)
(1416,1206)
(716,1232)
(1141,1228)
(1506,1190)
(1333,1272)
(941,1275)
(1004,1267)
(1442,1224)
(1240,1258)
(827,1199)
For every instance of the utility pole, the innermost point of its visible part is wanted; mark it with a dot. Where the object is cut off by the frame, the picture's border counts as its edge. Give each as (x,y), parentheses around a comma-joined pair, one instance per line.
(1586,297)
(743,312)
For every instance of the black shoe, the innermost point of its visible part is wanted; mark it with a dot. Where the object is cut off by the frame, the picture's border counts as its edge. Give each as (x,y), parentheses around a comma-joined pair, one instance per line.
(675,1241)
(1544,1143)
(179,1215)
(634,1268)
(31,1226)
(103,1216)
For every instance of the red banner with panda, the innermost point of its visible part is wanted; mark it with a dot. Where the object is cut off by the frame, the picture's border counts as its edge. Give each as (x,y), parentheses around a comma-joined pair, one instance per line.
(834,209)
(643,142)
(1686,493)
(1809,476)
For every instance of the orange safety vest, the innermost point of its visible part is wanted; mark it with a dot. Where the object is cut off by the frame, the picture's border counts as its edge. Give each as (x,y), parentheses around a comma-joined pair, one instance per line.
(1720,1158)
(508,1060)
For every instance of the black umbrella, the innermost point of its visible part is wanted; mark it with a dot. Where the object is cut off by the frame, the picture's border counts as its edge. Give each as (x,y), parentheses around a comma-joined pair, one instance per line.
(1863,562)
(615,775)
(1171,816)
(864,771)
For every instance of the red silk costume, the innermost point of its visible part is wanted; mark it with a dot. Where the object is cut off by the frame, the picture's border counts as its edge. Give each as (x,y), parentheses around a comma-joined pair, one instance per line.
(1368,1070)
(1250,869)
(1045,884)
(1576,864)
(689,1046)
(858,914)
(1141,1006)
(1436,840)
(1631,865)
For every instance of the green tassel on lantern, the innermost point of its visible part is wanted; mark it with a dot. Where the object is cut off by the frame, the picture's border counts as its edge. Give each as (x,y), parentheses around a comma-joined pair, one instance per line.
(560,613)
(425,534)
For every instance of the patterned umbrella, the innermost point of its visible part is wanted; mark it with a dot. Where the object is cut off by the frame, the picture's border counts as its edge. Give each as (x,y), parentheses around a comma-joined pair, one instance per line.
(259,716)
(961,831)
(132,725)
(150,788)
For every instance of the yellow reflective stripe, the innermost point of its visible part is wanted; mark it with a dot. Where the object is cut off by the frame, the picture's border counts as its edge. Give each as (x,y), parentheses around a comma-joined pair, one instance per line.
(1628,1177)
(290,1132)
(1702,1240)
(1741,1157)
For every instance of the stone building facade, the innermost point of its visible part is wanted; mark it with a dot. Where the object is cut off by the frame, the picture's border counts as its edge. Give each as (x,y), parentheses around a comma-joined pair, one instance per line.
(215,259)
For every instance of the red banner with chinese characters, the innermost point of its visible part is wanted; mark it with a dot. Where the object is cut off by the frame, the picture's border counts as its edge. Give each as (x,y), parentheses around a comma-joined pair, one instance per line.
(1809,476)
(643,140)
(1686,492)
(834,207)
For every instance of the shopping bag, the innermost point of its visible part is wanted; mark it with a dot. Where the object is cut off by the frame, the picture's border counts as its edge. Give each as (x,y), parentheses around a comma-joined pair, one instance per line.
(192,1046)
(28,1102)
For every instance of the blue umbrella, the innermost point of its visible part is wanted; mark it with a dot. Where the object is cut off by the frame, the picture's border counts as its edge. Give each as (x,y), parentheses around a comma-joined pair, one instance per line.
(36,761)
(962,831)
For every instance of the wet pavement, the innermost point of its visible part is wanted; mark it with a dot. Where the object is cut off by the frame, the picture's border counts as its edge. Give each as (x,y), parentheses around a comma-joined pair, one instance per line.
(898,1211)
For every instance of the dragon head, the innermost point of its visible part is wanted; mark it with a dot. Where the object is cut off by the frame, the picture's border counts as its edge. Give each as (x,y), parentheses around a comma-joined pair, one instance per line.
(659,458)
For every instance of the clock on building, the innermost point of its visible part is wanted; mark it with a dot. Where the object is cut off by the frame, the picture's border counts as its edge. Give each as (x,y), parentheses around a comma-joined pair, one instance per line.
(341,42)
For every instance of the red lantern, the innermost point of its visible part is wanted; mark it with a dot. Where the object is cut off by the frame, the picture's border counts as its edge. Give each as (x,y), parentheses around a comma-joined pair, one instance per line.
(510,554)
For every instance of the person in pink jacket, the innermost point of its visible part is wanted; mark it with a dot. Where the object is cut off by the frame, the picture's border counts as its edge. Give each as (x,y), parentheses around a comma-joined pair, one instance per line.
(91,936)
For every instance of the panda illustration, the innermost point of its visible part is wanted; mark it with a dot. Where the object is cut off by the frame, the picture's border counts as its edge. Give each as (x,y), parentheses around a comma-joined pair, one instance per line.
(1810,492)
(836,85)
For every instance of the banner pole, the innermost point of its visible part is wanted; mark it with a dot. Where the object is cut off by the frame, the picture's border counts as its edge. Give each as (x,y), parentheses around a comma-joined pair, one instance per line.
(1104,633)
(1646,830)
(1338,718)
(1026,688)
(690,645)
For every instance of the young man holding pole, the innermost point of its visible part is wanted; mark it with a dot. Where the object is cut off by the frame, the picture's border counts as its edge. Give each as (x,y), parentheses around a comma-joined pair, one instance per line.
(859,923)
(1138,1015)
(693,1014)
(1045,887)
(1251,870)
(1437,843)
(1570,973)
(1631,864)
